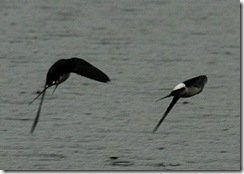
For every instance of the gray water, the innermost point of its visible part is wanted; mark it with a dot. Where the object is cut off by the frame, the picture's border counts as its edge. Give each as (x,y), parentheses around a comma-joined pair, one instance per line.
(146,47)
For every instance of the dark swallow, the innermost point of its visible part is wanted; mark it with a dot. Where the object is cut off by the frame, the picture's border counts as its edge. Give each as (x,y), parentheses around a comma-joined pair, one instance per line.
(60,71)
(185,89)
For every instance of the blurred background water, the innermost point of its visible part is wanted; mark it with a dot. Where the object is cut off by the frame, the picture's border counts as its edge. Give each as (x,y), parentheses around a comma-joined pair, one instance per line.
(146,47)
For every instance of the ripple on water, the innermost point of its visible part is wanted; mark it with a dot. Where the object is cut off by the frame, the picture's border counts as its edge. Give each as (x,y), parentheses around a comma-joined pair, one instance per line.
(115,161)
(51,156)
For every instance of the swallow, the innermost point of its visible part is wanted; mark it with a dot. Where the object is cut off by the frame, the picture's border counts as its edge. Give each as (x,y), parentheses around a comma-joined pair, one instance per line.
(60,72)
(185,89)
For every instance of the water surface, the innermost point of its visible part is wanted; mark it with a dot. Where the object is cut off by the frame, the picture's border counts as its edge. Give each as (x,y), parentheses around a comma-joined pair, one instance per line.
(146,47)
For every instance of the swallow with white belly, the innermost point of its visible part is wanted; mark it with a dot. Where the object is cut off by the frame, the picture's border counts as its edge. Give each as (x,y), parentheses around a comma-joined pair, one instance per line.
(185,89)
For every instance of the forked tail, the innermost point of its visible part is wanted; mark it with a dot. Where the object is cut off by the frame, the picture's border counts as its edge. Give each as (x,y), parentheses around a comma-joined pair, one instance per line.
(163,97)
(175,99)
(38,112)
(38,95)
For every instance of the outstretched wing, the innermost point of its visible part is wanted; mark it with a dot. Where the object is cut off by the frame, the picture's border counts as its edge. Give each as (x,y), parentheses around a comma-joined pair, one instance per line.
(175,99)
(86,69)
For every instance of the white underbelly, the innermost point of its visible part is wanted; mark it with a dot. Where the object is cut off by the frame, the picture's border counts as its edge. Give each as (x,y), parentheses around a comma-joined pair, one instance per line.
(190,91)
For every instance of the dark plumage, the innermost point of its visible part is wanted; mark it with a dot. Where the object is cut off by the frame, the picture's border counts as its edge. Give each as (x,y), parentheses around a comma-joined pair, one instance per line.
(60,71)
(185,89)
